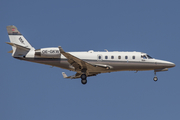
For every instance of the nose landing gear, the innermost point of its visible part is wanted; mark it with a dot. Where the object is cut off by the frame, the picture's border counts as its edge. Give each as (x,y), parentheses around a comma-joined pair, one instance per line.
(155,78)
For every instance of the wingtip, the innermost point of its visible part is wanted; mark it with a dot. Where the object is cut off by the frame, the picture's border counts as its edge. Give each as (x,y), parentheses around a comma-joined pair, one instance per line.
(9,43)
(10,51)
(64,75)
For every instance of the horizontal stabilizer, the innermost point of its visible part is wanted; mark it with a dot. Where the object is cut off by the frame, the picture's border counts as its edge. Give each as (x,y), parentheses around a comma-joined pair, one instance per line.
(18,46)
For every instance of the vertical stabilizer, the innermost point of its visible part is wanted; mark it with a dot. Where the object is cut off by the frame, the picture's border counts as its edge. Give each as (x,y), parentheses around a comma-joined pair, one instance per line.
(19,44)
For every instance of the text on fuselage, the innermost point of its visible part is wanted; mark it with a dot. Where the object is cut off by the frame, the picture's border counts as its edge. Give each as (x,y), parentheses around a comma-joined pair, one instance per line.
(50,52)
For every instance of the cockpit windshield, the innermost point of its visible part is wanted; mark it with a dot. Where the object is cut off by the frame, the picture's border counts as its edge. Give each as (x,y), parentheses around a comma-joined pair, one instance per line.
(146,57)
(149,57)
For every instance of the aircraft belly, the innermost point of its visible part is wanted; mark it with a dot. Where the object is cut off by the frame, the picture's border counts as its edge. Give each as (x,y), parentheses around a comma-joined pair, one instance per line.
(128,66)
(116,65)
(57,62)
(141,66)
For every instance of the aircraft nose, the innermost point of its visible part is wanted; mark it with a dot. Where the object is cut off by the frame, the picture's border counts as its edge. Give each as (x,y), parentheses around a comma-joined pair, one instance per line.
(166,64)
(169,64)
(172,64)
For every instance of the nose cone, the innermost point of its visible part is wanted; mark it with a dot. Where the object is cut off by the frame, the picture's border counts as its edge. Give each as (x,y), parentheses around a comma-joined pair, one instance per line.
(170,64)
(166,64)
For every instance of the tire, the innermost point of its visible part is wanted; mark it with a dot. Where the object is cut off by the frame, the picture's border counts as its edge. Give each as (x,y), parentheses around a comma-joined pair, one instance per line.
(83,82)
(83,76)
(155,78)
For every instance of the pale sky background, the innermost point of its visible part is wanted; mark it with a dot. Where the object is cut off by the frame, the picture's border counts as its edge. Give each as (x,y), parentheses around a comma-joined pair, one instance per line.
(31,91)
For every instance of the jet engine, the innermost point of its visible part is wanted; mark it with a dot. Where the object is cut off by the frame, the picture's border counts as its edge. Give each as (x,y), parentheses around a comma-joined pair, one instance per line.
(48,52)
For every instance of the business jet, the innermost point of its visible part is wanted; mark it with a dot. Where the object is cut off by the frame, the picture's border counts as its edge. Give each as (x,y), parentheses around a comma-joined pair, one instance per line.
(85,64)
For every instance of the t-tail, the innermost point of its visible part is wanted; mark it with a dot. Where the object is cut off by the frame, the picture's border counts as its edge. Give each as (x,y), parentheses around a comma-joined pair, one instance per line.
(20,46)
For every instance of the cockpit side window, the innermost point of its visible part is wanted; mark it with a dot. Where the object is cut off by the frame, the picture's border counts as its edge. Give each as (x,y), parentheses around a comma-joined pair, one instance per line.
(143,57)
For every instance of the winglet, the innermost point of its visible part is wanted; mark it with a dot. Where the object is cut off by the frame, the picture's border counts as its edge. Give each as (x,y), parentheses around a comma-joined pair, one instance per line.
(60,49)
(64,75)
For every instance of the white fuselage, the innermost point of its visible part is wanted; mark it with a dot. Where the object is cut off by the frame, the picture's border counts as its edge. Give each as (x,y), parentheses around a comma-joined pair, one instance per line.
(116,61)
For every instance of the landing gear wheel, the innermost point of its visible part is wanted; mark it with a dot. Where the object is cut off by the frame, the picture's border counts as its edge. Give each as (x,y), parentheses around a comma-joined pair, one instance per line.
(84,81)
(83,77)
(155,78)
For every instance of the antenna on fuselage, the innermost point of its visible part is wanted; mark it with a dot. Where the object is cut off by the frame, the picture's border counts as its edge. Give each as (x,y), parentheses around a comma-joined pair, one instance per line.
(106,50)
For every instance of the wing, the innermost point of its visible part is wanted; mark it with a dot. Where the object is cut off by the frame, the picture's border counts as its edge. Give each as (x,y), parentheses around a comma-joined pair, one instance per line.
(81,65)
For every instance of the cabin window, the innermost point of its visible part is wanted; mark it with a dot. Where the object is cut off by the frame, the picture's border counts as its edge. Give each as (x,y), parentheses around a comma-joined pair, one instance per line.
(133,57)
(112,57)
(119,57)
(126,57)
(106,57)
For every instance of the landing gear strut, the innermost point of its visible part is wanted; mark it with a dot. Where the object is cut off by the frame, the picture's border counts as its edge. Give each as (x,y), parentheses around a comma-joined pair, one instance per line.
(155,78)
(83,79)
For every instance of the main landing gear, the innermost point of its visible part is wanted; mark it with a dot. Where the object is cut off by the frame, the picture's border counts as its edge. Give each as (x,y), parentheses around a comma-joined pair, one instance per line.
(83,79)
(155,78)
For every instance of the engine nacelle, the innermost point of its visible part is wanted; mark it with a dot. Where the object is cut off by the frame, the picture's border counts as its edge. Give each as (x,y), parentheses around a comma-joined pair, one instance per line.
(48,52)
